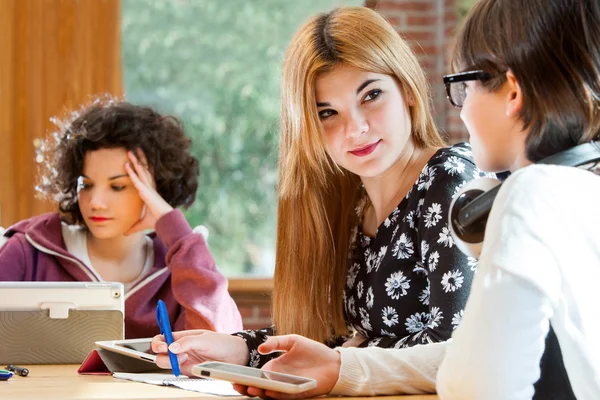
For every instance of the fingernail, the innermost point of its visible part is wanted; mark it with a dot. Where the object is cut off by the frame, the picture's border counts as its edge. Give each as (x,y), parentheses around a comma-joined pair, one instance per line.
(182,358)
(162,348)
(175,347)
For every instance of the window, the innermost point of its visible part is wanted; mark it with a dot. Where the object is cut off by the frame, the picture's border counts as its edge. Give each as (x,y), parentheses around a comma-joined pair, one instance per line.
(216,64)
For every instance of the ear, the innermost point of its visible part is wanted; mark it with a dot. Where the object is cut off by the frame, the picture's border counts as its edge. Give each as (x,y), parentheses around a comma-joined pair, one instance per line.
(514,95)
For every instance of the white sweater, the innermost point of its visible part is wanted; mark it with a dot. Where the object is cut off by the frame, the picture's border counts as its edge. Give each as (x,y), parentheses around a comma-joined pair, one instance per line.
(540,263)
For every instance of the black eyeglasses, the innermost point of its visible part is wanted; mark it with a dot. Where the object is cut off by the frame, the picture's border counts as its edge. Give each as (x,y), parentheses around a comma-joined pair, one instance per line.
(456,88)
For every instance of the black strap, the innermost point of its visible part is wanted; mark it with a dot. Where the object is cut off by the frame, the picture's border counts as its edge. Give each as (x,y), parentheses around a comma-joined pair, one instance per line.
(554,382)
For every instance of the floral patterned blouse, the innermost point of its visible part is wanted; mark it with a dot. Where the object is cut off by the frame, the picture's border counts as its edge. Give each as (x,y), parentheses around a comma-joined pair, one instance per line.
(408,284)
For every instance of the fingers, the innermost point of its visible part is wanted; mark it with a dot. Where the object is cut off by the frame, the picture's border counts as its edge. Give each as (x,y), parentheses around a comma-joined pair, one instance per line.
(163,360)
(140,166)
(278,343)
(187,343)
(256,392)
(160,346)
(241,389)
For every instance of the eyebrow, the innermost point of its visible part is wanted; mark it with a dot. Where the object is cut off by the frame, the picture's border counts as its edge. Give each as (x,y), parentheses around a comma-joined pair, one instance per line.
(360,89)
(111,178)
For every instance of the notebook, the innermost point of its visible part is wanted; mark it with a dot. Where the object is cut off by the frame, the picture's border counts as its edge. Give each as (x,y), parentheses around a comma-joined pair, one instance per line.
(202,385)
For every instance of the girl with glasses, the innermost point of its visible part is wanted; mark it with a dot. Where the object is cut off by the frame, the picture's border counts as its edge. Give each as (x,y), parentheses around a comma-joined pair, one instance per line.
(528,82)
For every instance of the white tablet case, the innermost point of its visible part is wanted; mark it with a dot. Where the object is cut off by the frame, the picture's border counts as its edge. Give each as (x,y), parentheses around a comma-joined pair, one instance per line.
(57,322)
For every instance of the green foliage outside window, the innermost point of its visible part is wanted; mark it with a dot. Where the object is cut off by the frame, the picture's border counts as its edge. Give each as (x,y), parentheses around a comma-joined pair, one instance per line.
(216,64)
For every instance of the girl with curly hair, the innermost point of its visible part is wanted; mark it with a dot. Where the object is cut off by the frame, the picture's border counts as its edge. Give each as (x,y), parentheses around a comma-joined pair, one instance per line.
(116,170)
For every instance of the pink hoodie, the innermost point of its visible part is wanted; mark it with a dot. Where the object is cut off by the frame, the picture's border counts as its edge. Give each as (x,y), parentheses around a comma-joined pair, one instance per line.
(184,274)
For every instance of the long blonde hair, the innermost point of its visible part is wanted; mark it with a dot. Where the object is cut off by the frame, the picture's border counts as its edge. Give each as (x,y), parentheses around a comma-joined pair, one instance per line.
(317,198)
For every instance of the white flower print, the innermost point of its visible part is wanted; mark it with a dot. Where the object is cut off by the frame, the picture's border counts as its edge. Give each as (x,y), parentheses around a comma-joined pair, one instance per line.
(417,322)
(426,178)
(462,151)
(364,240)
(424,296)
(472,263)
(364,317)
(446,237)
(373,260)
(419,208)
(390,316)
(394,233)
(433,215)
(400,343)
(452,281)
(457,318)
(419,268)
(424,250)
(359,290)
(352,273)
(435,317)
(254,359)
(250,333)
(403,247)
(396,285)
(374,342)
(386,333)
(458,187)
(369,298)
(410,219)
(434,258)
(361,331)
(454,165)
(350,306)
(392,218)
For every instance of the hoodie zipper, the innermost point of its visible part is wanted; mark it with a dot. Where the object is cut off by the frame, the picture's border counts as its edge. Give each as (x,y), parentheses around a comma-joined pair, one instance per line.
(41,248)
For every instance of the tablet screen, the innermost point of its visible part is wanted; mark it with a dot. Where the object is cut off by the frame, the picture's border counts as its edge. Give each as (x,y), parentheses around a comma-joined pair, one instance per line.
(142,347)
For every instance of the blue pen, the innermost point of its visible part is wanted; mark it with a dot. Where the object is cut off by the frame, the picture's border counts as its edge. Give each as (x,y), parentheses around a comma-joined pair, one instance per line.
(165,329)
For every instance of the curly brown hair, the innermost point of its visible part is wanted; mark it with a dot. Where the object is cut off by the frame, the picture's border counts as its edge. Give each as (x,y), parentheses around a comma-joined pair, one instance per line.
(116,124)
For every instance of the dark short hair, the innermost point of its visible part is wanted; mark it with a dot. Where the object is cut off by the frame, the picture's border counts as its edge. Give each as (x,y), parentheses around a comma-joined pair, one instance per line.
(109,124)
(553,49)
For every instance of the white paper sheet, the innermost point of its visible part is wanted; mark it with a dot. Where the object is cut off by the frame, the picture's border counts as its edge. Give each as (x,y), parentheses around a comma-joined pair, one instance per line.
(202,385)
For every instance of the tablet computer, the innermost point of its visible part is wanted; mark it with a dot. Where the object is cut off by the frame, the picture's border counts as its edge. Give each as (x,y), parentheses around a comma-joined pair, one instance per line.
(58,297)
(248,376)
(135,348)
(57,322)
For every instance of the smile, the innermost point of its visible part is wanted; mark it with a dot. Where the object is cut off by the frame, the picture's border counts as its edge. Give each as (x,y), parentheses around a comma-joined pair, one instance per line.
(365,151)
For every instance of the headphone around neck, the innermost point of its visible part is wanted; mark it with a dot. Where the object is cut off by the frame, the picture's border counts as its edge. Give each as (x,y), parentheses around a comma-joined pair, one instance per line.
(471,206)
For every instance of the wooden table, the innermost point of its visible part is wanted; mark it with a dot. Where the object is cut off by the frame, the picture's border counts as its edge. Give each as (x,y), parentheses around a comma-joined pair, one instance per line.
(53,382)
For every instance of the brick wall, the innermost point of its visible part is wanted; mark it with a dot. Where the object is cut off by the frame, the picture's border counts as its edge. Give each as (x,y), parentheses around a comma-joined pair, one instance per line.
(253,298)
(428,26)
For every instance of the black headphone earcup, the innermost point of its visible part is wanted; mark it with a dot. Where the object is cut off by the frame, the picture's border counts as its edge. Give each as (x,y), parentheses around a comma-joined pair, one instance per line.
(469,239)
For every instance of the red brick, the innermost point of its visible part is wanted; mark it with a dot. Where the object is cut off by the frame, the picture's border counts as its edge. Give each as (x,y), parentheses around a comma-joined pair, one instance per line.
(410,6)
(419,36)
(429,50)
(419,20)
(264,312)
(394,20)
(246,311)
